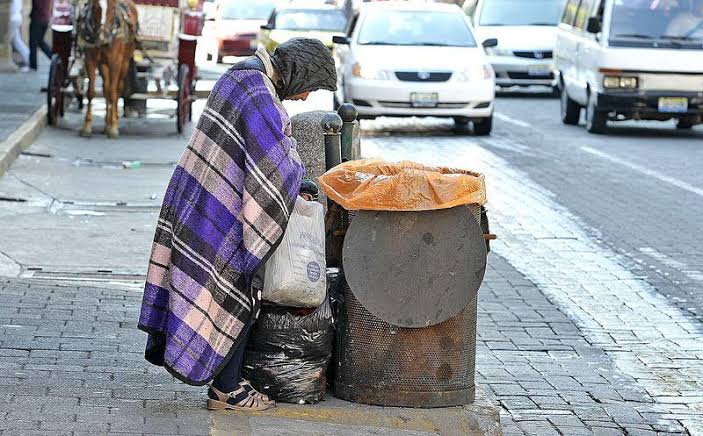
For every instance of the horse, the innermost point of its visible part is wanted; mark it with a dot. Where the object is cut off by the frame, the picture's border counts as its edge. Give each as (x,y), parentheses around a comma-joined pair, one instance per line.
(108,45)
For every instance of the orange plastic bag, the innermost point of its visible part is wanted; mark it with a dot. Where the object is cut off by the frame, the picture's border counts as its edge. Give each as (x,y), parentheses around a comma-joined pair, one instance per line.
(372,184)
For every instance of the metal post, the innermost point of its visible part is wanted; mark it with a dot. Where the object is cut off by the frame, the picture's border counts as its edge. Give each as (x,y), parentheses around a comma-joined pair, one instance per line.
(348,114)
(332,126)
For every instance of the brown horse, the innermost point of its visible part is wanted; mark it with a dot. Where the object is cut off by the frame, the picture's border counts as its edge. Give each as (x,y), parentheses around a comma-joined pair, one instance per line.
(109,46)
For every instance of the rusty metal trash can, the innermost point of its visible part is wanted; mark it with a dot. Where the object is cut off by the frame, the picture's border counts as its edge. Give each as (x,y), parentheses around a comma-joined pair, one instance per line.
(417,356)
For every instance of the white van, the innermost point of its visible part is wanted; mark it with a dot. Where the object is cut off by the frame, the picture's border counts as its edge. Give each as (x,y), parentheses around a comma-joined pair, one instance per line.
(526,32)
(631,59)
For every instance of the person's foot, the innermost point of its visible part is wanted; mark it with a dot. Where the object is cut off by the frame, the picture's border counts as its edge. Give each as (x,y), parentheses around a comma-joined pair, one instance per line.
(254,393)
(235,400)
(24,69)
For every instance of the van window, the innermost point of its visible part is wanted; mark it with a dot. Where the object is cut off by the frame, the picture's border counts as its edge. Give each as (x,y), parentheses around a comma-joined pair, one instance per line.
(652,23)
(583,13)
(570,12)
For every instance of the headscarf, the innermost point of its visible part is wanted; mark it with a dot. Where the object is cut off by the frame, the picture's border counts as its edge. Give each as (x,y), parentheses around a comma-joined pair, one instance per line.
(304,64)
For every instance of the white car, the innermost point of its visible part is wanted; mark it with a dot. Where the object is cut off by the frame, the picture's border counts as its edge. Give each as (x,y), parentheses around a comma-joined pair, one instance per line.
(623,60)
(526,33)
(415,59)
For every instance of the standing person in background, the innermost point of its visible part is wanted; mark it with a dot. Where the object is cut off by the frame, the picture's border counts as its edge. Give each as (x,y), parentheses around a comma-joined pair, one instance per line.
(18,44)
(39,22)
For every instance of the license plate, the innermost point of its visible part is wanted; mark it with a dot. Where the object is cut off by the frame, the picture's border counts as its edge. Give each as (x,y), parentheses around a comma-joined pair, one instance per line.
(673,104)
(538,70)
(424,99)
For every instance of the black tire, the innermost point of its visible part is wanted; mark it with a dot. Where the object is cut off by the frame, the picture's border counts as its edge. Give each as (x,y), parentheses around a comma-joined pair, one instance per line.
(685,124)
(219,59)
(483,127)
(54,91)
(570,110)
(596,120)
(184,98)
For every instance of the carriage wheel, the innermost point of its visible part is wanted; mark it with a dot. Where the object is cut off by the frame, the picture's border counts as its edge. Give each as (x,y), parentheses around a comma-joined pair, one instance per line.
(184,98)
(54,92)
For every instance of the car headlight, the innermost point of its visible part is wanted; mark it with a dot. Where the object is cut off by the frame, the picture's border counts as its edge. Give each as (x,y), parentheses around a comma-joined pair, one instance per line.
(483,72)
(625,82)
(371,73)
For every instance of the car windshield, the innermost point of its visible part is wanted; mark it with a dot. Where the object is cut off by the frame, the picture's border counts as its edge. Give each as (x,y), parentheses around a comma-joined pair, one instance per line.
(657,21)
(521,12)
(326,20)
(416,28)
(246,9)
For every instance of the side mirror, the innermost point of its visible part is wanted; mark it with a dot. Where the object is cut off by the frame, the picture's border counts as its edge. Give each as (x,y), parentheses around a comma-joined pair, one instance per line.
(593,25)
(490,43)
(266,27)
(344,40)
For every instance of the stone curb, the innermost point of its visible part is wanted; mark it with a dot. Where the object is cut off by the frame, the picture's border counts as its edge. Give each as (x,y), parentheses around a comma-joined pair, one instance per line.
(21,138)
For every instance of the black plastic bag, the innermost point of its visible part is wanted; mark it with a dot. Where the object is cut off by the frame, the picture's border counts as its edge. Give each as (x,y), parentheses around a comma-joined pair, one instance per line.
(288,353)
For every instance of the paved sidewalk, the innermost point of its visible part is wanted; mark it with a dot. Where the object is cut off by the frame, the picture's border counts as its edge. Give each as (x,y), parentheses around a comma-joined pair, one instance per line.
(71,362)
(21,98)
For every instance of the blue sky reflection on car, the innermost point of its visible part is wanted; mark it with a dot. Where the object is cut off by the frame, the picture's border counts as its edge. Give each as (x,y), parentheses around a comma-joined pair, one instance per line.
(416,28)
(521,13)
(323,20)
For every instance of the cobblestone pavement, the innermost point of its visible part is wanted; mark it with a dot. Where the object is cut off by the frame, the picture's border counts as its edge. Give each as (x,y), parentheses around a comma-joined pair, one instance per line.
(71,363)
(575,339)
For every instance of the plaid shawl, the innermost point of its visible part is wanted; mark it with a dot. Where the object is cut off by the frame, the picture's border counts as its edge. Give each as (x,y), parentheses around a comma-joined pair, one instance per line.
(224,211)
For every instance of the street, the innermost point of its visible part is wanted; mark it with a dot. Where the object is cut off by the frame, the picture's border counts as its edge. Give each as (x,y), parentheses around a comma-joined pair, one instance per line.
(590,315)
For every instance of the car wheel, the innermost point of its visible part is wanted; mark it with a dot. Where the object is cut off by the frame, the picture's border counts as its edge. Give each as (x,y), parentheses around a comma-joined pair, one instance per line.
(685,124)
(596,120)
(483,127)
(570,110)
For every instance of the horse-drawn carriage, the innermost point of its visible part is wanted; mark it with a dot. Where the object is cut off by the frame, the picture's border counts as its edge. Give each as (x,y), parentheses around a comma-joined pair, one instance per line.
(161,67)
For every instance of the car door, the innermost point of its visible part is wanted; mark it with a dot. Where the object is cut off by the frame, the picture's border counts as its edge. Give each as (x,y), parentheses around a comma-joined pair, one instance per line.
(345,58)
(586,52)
(566,50)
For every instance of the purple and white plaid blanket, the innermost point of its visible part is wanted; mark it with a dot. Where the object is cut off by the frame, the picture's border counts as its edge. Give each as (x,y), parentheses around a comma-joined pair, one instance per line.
(224,211)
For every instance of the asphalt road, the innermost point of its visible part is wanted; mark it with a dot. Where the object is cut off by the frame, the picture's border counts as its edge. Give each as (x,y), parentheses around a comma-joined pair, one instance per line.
(598,251)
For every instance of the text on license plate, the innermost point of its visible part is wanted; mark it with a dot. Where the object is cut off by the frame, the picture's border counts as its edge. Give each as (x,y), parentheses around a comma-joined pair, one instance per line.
(673,104)
(424,99)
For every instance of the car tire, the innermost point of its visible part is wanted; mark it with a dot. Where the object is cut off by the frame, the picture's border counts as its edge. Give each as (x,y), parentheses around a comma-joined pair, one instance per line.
(685,124)
(570,110)
(461,126)
(596,120)
(484,126)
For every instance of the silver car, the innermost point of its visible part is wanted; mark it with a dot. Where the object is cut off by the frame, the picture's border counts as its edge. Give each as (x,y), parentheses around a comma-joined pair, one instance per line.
(526,34)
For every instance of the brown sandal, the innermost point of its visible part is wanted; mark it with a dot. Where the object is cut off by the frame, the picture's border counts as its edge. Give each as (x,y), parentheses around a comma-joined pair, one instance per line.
(254,393)
(235,400)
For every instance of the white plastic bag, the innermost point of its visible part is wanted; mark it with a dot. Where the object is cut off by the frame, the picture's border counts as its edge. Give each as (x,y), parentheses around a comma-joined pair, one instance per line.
(295,273)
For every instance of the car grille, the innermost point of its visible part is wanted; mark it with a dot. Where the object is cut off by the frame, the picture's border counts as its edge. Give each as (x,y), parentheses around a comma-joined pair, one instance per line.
(548,54)
(423,76)
(526,76)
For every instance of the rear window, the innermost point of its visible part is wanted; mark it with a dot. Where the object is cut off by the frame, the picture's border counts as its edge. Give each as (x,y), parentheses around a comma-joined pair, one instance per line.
(416,28)
(521,12)
(246,9)
(324,20)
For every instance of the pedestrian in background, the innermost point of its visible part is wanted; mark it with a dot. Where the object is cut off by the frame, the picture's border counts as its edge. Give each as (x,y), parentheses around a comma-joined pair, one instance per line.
(39,22)
(18,44)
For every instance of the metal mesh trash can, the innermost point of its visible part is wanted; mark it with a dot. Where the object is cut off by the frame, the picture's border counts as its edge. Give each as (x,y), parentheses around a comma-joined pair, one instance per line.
(377,362)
